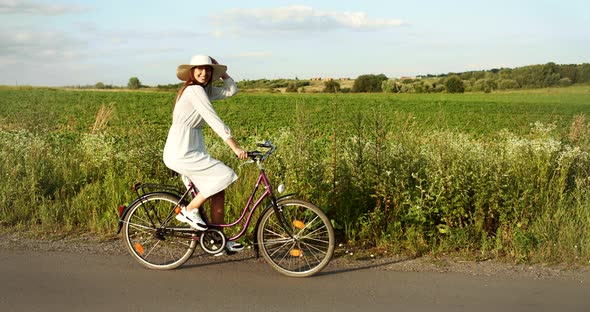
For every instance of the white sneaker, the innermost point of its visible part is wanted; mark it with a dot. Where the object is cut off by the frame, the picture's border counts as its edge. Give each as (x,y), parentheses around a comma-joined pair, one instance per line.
(230,247)
(193,218)
(180,217)
(234,246)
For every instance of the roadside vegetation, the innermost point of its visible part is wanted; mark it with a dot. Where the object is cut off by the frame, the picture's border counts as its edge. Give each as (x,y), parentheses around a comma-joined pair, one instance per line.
(493,175)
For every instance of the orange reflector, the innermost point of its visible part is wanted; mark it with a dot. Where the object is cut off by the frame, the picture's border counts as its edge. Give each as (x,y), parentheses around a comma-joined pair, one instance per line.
(177,209)
(298,224)
(296,252)
(138,248)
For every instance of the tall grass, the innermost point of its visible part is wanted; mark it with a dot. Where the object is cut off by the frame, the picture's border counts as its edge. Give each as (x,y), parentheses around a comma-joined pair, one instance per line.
(391,184)
(385,180)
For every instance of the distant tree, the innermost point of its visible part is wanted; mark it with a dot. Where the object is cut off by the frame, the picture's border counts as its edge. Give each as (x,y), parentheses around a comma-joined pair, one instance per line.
(564,82)
(551,80)
(391,86)
(505,73)
(568,71)
(420,86)
(368,83)
(485,85)
(550,68)
(99,85)
(331,86)
(454,84)
(170,86)
(438,87)
(134,83)
(506,84)
(583,73)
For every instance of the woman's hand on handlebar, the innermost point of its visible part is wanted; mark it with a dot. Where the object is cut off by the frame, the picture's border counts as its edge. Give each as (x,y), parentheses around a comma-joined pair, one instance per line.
(241,153)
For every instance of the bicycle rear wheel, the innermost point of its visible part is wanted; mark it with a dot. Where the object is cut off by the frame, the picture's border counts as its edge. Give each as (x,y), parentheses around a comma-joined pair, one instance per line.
(151,245)
(311,245)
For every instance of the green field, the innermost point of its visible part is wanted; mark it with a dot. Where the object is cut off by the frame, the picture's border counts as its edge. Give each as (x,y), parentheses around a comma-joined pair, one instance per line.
(492,175)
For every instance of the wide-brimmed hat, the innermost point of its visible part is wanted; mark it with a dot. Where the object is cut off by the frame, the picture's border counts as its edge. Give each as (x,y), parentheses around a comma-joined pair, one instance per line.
(183,72)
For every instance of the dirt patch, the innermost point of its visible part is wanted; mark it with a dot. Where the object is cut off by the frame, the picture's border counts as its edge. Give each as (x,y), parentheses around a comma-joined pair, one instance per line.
(344,258)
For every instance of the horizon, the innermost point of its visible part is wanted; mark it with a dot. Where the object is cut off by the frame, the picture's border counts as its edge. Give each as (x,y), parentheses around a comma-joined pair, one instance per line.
(419,76)
(86,42)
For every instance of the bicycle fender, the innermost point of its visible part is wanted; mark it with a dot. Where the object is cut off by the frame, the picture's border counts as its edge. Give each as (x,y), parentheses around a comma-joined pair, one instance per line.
(133,203)
(287,196)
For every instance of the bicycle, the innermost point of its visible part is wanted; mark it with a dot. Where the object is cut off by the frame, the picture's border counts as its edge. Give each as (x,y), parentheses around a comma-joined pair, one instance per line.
(294,236)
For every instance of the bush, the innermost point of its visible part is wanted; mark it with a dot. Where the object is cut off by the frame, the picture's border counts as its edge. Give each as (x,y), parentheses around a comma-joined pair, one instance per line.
(454,84)
(565,82)
(331,87)
(485,85)
(291,87)
(391,86)
(507,84)
(368,83)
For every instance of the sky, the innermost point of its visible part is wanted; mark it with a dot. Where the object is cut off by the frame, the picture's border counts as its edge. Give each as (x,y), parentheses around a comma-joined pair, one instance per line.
(75,42)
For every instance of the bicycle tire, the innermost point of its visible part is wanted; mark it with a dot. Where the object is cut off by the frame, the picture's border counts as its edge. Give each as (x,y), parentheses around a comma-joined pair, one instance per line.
(312,246)
(163,250)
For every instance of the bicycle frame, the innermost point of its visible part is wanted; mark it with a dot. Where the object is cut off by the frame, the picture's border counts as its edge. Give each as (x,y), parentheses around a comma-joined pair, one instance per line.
(249,208)
(247,212)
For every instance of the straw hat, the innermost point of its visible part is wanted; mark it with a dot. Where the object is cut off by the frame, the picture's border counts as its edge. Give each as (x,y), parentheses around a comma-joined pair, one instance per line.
(183,72)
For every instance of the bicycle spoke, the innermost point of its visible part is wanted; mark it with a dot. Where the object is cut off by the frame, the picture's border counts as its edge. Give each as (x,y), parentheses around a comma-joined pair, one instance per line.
(150,251)
(141,228)
(277,241)
(307,261)
(153,244)
(307,225)
(304,249)
(277,249)
(276,234)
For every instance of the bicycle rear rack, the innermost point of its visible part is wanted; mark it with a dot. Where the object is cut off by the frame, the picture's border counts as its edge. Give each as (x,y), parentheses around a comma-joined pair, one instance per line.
(140,188)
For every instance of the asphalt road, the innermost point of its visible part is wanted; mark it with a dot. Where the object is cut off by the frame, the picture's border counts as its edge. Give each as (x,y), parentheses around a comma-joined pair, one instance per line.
(63,281)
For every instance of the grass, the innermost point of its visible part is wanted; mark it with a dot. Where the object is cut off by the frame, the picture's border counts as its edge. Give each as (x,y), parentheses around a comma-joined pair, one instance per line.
(497,175)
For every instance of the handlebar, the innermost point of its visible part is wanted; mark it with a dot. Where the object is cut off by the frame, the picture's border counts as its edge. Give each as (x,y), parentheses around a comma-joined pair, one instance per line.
(260,156)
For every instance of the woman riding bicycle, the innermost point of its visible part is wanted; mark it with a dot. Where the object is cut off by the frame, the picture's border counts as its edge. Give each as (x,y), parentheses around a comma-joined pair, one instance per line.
(185,150)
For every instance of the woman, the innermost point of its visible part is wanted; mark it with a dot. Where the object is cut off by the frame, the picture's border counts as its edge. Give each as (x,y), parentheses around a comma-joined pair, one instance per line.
(185,150)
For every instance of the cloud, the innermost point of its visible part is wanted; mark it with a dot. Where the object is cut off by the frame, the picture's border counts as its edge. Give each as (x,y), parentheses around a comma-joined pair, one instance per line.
(300,18)
(36,46)
(134,35)
(36,8)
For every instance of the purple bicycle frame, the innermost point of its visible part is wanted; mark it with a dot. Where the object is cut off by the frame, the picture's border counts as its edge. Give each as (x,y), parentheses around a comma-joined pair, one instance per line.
(249,206)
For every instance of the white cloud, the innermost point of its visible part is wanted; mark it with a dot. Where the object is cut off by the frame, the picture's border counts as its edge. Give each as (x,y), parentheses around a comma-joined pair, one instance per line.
(36,8)
(300,18)
(32,46)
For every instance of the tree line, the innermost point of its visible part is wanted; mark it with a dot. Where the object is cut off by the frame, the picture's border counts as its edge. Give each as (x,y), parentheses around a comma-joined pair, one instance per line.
(526,77)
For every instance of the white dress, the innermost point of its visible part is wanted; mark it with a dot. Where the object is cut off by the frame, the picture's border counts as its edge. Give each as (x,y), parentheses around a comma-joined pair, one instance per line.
(185,150)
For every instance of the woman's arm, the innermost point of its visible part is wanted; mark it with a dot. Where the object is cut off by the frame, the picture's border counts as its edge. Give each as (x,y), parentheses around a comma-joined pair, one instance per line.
(241,153)
(203,106)
(230,87)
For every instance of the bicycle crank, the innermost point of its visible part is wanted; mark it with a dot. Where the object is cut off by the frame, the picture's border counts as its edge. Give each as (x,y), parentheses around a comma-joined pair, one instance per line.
(212,241)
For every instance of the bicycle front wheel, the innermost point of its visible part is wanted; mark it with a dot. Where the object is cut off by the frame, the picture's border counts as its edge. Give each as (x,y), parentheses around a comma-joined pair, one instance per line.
(154,246)
(307,249)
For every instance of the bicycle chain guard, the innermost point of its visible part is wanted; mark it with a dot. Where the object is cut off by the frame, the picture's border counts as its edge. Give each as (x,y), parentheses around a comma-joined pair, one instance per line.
(212,241)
